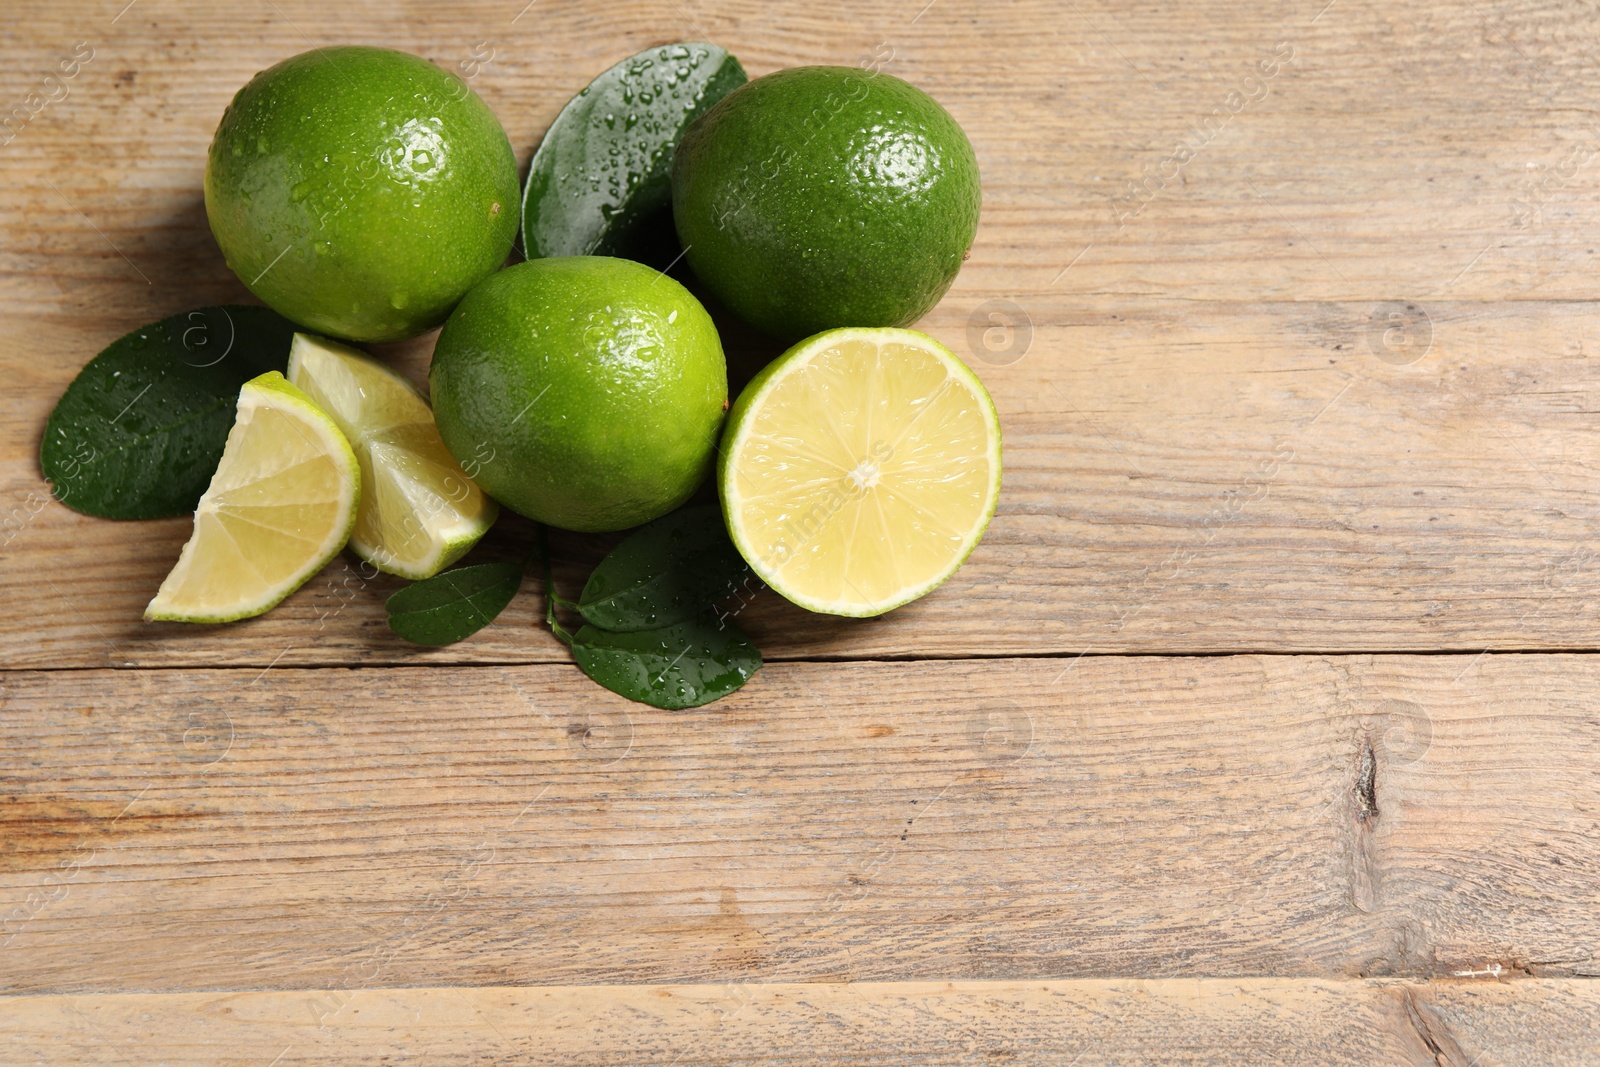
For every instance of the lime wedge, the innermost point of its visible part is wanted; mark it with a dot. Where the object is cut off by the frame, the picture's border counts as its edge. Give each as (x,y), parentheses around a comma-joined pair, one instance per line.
(419,510)
(281,504)
(860,469)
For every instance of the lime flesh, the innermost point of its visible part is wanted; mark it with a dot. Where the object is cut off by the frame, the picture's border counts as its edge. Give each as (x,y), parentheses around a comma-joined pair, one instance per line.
(280,506)
(860,469)
(420,512)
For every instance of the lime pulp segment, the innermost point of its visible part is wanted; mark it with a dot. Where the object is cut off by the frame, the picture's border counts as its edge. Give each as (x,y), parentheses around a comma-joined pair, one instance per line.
(420,512)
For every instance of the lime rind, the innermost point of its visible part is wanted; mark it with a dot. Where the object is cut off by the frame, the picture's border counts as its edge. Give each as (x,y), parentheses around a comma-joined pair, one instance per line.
(270,391)
(740,426)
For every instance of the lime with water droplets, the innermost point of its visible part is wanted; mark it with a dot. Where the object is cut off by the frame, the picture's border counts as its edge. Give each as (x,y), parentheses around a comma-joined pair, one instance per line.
(581,391)
(821,197)
(361,192)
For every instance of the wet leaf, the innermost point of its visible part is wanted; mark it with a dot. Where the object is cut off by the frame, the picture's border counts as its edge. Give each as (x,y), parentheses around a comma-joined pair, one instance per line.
(680,666)
(598,184)
(139,432)
(453,604)
(667,572)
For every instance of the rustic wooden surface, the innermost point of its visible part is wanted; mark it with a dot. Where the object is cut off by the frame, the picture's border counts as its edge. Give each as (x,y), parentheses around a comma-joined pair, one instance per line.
(1000,819)
(1250,1021)
(1319,387)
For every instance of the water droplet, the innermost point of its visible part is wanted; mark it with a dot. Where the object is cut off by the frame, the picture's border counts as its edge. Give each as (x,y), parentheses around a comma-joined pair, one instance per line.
(399,301)
(300,191)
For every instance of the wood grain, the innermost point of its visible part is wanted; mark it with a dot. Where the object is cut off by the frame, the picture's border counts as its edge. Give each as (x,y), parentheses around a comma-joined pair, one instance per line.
(1247,1021)
(1194,478)
(1295,361)
(1214,441)
(185,830)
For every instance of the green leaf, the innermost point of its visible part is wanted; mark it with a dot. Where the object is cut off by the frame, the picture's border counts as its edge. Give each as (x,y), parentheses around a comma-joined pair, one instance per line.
(664,573)
(139,432)
(453,604)
(599,183)
(680,666)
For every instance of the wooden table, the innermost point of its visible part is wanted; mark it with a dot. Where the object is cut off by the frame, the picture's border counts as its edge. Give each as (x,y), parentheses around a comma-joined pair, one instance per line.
(1264,726)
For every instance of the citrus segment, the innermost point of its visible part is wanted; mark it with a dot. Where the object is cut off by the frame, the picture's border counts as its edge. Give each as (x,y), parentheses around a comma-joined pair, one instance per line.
(280,505)
(860,469)
(420,512)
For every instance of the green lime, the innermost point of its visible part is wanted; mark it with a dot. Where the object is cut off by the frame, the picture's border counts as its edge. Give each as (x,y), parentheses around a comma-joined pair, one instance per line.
(360,192)
(820,197)
(581,391)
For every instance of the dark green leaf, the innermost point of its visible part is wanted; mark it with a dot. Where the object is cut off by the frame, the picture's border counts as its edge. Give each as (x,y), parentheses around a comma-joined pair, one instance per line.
(681,666)
(453,604)
(599,183)
(139,432)
(664,573)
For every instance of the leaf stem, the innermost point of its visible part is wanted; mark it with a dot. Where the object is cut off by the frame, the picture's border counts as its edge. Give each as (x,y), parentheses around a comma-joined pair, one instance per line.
(542,547)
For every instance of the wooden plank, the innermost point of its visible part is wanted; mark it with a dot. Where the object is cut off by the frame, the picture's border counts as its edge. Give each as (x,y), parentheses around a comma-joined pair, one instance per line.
(1184,478)
(1245,1021)
(1177,479)
(181,830)
(1353,171)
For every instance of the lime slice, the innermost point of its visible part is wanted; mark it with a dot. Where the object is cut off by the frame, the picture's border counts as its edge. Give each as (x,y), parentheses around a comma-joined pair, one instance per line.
(281,504)
(860,469)
(419,510)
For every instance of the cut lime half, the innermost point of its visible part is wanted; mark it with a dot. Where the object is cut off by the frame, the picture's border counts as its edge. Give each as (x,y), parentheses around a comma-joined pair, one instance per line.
(860,469)
(420,512)
(280,506)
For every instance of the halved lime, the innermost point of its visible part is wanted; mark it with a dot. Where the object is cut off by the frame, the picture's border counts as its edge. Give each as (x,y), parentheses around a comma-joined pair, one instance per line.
(860,469)
(280,506)
(420,512)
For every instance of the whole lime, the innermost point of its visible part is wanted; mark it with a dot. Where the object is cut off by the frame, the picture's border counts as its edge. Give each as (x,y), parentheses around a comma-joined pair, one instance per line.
(581,391)
(819,197)
(361,192)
